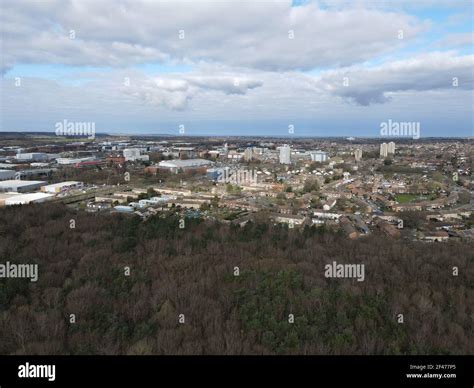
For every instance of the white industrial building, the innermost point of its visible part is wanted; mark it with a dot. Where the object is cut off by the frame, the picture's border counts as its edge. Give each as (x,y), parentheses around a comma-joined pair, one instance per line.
(61,186)
(4,196)
(285,154)
(7,174)
(33,156)
(66,161)
(19,186)
(319,156)
(175,165)
(23,199)
(134,154)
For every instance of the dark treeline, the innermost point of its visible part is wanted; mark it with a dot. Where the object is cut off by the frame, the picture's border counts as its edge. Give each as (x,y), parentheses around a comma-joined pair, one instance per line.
(190,271)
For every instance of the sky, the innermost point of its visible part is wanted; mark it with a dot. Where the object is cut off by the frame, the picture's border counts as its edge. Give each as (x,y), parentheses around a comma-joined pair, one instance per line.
(273,68)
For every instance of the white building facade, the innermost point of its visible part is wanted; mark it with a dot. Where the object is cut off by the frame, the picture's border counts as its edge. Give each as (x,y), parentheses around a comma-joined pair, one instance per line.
(285,154)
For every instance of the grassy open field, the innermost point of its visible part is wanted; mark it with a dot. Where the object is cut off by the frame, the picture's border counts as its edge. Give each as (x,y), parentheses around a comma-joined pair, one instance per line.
(405,198)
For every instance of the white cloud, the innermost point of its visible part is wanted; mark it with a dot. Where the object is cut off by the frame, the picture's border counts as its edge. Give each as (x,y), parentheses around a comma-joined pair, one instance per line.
(366,86)
(175,91)
(254,35)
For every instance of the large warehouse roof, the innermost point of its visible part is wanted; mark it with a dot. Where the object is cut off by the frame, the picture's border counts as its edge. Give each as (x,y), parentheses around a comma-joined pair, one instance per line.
(62,184)
(21,199)
(184,163)
(15,183)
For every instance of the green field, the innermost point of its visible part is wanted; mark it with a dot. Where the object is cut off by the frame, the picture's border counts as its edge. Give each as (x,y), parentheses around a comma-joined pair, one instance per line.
(405,198)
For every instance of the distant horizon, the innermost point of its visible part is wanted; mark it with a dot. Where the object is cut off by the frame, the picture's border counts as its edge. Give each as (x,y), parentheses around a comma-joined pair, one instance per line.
(268,127)
(286,137)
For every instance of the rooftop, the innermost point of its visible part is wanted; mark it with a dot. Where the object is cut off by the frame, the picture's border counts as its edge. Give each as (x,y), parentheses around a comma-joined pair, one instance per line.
(184,163)
(19,183)
(25,198)
(60,184)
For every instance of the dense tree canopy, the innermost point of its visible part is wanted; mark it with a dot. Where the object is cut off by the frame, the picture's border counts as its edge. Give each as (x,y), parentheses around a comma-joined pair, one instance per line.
(192,271)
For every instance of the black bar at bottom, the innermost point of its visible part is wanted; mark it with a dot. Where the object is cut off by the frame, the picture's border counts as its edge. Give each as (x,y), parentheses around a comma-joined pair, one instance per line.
(318,371)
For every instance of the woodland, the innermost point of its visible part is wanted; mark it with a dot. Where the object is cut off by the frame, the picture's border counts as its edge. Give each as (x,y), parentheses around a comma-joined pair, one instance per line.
(115,284)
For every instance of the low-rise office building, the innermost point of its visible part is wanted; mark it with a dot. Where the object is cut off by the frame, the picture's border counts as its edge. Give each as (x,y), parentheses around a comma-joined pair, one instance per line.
(61,186)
